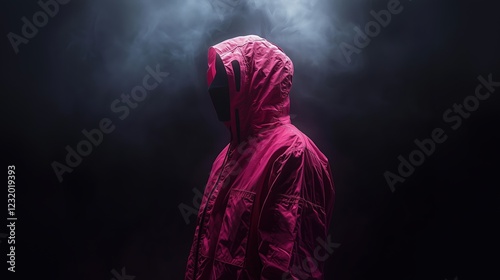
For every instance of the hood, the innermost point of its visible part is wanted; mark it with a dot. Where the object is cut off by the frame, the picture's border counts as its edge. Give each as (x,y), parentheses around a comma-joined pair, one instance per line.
(259,79)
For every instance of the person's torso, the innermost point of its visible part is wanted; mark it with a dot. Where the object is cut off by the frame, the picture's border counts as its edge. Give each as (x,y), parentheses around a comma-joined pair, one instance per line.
(238,174)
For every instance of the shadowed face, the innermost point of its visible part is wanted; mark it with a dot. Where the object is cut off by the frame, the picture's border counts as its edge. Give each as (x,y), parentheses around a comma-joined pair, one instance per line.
(219,89)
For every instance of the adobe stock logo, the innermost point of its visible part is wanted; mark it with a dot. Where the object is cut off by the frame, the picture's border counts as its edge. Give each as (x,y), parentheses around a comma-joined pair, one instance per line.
(311,264)
(121,276)
(39,19)
(362,38)
(454,117)
(121,106)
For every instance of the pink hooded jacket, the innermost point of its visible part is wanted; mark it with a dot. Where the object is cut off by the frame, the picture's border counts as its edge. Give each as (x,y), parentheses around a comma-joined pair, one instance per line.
(269,198)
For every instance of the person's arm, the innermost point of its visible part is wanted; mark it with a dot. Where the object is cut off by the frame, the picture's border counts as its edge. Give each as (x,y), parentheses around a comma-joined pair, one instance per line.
(293,217)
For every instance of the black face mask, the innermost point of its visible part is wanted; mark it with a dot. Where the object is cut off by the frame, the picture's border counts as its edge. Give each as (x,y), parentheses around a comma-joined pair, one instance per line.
(219,91)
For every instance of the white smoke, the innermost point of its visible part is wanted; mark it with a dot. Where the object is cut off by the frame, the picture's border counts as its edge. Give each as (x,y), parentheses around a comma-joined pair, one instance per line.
(115,40)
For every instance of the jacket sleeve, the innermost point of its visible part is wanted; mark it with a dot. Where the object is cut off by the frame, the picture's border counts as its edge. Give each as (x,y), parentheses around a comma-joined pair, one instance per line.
(294,216)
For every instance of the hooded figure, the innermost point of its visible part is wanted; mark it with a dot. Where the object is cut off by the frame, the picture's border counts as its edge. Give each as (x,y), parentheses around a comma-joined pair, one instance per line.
(269,198)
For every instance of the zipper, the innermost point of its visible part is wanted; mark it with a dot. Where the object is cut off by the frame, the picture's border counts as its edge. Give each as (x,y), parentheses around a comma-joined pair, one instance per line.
(195,271)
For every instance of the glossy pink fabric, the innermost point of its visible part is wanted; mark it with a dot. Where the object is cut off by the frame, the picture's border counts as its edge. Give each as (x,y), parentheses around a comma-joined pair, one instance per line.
(270,194)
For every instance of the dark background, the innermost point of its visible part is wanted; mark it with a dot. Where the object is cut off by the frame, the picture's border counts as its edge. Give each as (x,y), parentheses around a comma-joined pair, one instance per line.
(120,206)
